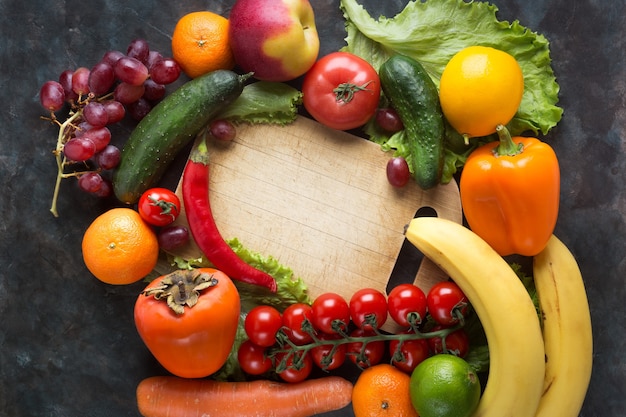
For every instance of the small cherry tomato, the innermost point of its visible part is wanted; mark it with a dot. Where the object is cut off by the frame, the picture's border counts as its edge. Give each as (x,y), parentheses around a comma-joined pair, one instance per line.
(367,356)
(457,343)
(408,354)
(330,312)
(261,325)
(446,302)
(295,367)
(189,341)
(159,206)
(407,305)
(329,357)
(368,308)
(341,91)
(252,358)
(294,318)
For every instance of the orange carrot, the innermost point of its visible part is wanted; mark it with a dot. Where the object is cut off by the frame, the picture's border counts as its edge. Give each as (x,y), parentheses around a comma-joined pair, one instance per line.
(169,396)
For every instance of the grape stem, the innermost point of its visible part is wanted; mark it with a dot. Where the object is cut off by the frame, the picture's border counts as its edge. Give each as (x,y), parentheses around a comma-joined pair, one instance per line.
(60,158)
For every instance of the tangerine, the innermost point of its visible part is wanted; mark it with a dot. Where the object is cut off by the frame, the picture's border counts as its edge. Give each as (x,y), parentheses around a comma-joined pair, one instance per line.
(480,88)
(119,247)
(200,43)
(382,390)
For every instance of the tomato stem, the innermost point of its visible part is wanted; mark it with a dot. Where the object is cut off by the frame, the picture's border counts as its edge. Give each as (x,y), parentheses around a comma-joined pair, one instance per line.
(344,92)
(287,347)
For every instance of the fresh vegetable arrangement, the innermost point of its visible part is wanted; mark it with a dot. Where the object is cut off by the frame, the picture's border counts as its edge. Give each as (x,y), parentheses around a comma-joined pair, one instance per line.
(232,323)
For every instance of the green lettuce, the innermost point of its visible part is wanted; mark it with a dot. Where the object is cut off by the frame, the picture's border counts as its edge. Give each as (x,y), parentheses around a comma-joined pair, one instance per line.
(431,32)
(265,102)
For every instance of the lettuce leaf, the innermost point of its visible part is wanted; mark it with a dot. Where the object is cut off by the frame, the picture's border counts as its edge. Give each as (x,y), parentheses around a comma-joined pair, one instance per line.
(265,102)
(432,32)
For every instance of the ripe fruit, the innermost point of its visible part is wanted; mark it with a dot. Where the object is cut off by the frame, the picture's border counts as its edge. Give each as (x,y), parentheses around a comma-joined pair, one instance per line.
(119,247)
(200,43)
(480,88)
(444,386)
(275,39)
(382,390)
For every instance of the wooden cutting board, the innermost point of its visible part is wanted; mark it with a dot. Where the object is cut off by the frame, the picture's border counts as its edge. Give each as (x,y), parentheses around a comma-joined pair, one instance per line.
(318,200)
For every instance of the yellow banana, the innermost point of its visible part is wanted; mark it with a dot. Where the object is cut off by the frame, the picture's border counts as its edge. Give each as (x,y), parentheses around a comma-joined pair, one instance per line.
(507,314)
(566,331)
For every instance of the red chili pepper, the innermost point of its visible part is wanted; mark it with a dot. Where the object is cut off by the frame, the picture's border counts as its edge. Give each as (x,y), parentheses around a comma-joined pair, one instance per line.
(202,224)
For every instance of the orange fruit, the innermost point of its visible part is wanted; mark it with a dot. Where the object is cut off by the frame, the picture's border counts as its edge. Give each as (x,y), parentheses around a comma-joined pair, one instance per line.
(382,390)
(480,88)
(200,43)
(119,247)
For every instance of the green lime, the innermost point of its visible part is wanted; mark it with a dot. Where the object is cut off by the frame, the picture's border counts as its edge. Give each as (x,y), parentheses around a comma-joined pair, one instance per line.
(444,386)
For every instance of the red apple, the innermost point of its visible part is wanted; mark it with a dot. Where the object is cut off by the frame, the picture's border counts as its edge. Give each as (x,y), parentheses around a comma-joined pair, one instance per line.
(275,39)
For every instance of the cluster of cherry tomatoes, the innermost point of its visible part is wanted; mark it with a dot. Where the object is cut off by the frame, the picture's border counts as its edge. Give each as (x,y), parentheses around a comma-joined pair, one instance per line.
(332,329)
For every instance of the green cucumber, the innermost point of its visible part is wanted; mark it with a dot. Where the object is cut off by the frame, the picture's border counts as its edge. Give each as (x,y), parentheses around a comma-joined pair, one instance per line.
(169,127)
(414,95)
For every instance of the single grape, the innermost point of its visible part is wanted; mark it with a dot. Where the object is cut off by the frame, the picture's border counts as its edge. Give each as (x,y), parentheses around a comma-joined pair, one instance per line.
(127,93)
(389,120)
(90,182)
(80,81)
(100,136)
(105,190)
(52,95)
(79,149)
(101,78)
(172,237)
(139,109)
(95,114)
(115,111)
(398,173)
(154,91)
(109,157)
(139,49)
(130,70)
(222,130)
(153,57)
(165,71)
(111,57)
(65,79)
(82,127)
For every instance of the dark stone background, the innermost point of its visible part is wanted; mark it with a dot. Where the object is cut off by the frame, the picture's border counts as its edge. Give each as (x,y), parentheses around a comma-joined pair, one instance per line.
(67,343)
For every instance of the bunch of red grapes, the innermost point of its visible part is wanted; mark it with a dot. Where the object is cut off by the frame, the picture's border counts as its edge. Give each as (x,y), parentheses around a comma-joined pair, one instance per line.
(119,84)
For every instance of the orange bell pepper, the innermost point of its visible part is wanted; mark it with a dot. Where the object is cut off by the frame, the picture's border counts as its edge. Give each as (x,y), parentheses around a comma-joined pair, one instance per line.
(510,193)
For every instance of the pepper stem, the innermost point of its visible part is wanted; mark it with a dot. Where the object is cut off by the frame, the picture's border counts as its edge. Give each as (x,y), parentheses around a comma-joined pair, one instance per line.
(506,147)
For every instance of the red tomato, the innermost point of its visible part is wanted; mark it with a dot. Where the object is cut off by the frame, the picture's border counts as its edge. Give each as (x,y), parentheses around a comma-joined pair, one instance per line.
(407,305)
(409,354)
(341,91)
(367,356)
(330,312)
(159,206)
(368,308)
(329,357)
(446,302)
(252,358)
(294,318)
(261,325)
(457,343)
(295,368)
(196,342)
